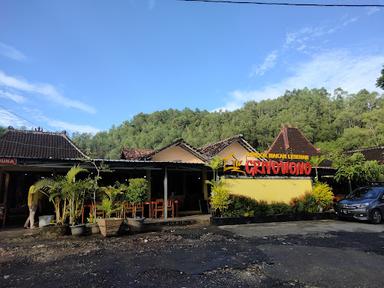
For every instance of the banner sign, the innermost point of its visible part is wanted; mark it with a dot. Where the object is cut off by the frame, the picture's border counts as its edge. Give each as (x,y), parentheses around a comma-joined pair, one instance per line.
(263,166)
(279,156)
(8,161)
(254,167)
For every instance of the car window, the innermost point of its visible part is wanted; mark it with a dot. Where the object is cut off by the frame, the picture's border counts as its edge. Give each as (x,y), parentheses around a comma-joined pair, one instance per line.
(366,193)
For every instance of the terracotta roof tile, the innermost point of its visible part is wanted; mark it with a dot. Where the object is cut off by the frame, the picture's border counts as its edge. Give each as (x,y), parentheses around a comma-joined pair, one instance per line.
(181,143)
(292,141)
(135,153)
(39,145)
(373,153)
(210,150)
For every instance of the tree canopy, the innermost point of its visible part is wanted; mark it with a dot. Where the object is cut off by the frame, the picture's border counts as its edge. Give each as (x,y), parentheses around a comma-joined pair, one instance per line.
(380,80)
(333,122)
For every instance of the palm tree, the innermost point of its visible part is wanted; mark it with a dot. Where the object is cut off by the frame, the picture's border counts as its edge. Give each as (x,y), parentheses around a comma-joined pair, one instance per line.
(62,192)
(315,162)
(215,164)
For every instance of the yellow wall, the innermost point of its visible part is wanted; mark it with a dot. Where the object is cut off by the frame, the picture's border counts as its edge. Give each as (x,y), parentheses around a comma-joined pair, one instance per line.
(270,190)
(176,153)
(235,148)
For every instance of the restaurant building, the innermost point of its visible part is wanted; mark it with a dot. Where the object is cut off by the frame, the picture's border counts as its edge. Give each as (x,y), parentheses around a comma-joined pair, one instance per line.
(177,171)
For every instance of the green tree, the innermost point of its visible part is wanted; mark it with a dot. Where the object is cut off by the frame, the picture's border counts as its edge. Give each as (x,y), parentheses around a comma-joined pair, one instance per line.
(215,164)
(355,169)
(315,162)
(380,80)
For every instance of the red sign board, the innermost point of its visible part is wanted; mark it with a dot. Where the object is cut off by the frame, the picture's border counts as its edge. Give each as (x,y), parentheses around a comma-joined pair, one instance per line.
(8,161)
(257,167)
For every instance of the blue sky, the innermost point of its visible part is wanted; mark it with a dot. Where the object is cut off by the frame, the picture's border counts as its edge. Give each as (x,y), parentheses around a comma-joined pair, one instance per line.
(87,65)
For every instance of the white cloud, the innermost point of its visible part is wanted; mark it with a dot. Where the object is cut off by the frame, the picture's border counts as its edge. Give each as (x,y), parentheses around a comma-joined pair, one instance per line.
(37,115)
(268,63)
(48,91)
(11,52)
(372,10)
(307,38)
(12,96)
(9,119)
(330,70)
(62,125)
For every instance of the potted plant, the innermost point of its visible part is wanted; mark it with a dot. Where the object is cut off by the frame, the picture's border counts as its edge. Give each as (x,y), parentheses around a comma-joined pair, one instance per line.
(91,226)
(62,193)
(110,226)
(52,188)
(78,191)
(137,192)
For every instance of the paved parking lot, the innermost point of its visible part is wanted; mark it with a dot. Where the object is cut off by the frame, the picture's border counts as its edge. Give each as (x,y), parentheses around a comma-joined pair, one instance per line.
(290,254)
(324,253)
(301,228)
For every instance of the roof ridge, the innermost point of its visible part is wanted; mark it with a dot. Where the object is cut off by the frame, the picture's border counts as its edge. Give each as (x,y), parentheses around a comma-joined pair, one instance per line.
(220,141)
(310,143)
(13,130)
(74,145)
(285,137)
(177,142)
(365,149)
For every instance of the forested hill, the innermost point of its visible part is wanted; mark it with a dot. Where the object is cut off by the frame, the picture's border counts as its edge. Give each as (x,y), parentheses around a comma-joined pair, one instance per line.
(331,121)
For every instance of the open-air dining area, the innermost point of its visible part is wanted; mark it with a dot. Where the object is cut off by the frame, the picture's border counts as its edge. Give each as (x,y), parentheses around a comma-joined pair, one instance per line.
(154,208)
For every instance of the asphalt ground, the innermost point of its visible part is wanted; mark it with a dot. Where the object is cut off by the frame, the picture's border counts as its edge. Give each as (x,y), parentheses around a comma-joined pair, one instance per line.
(290,254)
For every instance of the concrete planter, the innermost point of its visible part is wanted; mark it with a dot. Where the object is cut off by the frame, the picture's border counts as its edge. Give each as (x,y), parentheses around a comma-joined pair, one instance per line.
(92,228)
(271,218)
(109,226)
(78,230)
(45,220)
(135,224)
(55,230)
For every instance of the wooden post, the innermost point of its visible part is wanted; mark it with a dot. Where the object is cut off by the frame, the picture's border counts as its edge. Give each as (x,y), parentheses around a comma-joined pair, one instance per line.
(6,187)
(203,182)
(184,184)
(165,204)
(149,179)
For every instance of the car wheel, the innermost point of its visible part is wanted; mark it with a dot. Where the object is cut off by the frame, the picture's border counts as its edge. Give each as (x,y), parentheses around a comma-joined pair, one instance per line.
(376,216)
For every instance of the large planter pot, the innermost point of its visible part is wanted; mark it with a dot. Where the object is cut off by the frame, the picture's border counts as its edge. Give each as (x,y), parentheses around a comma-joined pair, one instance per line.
(45,220)
(55,230)
(92,228)
(109,226)
(78,230)
(135,224)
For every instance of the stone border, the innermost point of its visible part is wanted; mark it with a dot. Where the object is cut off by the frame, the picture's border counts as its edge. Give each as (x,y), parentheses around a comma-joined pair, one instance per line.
(272,218)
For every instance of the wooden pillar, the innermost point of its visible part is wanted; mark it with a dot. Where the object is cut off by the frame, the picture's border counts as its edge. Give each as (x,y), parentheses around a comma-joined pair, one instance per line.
(149,179)
(184,184)
(165,193)
(1,187)
(204,183)
(6,188)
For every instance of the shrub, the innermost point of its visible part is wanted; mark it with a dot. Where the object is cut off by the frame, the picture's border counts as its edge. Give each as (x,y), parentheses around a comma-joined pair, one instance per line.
(220,195)
(240,206)
(305,203)
(323,195)
(138,190)
(263,208)
(280,208)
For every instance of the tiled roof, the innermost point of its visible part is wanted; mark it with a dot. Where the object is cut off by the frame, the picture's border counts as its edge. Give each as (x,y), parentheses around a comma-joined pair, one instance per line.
(39,145)
(135,153)
(183,144)
(213,149)
(292,141)
(373,153)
